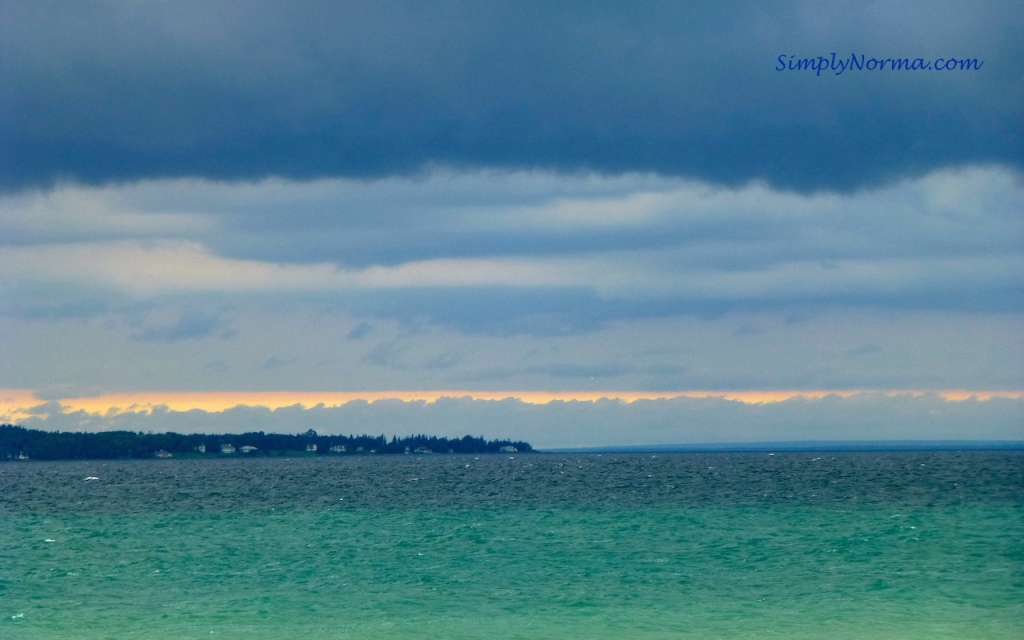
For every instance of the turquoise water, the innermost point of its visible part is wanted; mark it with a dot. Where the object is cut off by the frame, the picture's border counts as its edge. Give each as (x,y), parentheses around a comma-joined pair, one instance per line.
(333,549)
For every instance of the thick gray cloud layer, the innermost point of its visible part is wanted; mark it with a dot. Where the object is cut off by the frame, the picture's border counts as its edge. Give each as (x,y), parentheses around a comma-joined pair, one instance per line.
(497,253)
(514,281)
(117,90)
(371,196)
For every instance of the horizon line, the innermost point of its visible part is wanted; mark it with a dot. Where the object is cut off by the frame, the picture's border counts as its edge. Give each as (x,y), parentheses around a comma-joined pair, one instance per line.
(17,402)
(799,446)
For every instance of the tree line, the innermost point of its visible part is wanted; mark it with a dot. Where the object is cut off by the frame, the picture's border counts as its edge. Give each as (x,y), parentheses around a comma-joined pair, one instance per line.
(20,443)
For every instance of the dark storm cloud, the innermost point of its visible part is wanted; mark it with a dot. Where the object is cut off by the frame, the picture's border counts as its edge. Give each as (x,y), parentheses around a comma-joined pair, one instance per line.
(114,91)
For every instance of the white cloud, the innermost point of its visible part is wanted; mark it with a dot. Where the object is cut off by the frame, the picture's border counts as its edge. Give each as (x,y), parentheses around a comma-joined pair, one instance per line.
(954,231)
(501,278)
(159,267)
(75,213)
(152,268)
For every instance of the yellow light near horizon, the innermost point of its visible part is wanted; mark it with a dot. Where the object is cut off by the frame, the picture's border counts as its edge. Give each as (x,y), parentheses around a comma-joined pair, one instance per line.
(15,403)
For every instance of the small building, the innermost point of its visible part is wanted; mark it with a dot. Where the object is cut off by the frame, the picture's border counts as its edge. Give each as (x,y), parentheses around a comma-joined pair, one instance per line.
(201,448)
(422,450)
(227,448)
(248,448)
(163,454)
(338,448)
(311,447)
(508,449)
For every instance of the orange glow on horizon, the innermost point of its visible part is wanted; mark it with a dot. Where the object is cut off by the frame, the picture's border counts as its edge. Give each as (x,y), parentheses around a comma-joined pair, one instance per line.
(15,403)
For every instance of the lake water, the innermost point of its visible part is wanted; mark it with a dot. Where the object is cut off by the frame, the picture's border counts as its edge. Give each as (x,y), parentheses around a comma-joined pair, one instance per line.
(638,546)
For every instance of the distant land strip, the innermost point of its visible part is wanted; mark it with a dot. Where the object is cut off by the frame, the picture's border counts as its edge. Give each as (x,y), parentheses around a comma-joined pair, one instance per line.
(19,443)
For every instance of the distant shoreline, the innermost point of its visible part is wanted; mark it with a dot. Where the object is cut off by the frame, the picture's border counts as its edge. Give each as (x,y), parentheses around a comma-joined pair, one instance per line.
(799,446)
(19,443)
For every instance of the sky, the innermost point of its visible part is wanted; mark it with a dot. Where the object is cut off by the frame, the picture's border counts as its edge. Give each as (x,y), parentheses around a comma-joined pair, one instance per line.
(578,224)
